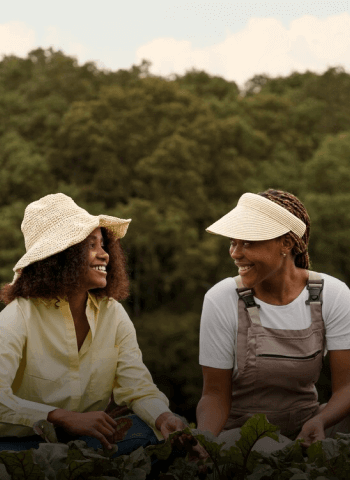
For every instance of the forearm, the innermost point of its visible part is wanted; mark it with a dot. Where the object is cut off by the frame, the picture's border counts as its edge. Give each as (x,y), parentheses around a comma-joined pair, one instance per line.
(149,409)
(134,386)
(212,413)
(337,408)
(56,416)
(16,411)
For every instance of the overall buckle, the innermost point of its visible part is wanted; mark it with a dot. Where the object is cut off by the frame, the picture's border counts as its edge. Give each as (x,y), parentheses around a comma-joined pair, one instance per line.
(248,299)
(315,290)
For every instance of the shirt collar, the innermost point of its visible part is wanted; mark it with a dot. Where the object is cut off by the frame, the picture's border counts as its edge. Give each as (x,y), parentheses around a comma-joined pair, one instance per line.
(93,302)
(48,302)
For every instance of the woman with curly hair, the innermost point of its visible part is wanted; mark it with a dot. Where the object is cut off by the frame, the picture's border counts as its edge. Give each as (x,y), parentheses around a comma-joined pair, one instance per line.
(265,332)
(66,342)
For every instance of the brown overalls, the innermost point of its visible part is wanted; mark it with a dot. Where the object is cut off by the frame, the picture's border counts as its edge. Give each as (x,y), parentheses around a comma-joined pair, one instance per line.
(277,369)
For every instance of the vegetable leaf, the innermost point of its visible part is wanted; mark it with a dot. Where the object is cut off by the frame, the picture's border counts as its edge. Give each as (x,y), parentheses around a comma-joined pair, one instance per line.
(46,430)
(123,425)
(51,457)
(324,460)
(161,451)
(20,465)
(254,429)
(77,469)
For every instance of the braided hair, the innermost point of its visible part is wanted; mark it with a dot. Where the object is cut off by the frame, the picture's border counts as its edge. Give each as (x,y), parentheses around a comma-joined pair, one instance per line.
(294,206)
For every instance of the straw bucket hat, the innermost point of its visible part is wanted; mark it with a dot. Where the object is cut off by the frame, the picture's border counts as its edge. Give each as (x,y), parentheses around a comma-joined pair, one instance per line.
(56,222)
(257,218)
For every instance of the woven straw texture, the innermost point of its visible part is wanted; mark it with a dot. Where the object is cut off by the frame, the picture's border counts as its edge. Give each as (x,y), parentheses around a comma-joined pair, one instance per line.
(56,222)
(257,218)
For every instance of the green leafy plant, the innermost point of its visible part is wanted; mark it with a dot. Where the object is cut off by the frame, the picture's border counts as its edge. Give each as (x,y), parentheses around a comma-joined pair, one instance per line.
(324,460)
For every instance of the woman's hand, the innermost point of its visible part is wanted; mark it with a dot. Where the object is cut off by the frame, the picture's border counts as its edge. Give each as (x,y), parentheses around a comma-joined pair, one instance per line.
(169,423)
(312,431)
(94,424)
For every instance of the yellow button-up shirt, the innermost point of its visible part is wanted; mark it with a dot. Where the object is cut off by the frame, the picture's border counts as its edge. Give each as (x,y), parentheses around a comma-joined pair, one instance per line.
(41,368)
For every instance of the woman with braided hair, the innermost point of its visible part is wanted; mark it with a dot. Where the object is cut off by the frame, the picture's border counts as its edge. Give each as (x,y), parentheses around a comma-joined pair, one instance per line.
(265,332)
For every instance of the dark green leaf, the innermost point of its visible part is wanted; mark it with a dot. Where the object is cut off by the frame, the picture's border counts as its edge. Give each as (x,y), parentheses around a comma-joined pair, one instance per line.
(135,474)
(214,449)
(183,470)
(161,451)
(51,457)
(322,451)
(20,465)
(261,472)
(76,470)
(254,429)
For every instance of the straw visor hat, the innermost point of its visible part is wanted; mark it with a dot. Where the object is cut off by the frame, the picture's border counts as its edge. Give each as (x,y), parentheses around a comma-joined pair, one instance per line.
(257,218)
(56,222)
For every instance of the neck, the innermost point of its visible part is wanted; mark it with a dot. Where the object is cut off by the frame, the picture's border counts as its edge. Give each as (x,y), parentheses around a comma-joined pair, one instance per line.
(77,303)
(283,287)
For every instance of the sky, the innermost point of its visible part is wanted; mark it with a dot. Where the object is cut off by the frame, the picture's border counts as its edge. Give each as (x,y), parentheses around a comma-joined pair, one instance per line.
(235,39)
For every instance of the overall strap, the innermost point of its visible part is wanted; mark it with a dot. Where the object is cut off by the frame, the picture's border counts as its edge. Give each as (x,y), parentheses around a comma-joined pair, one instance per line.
(315,287)
(247,296)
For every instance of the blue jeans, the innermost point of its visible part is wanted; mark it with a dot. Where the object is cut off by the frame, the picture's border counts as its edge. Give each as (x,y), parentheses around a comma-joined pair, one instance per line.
(139,435)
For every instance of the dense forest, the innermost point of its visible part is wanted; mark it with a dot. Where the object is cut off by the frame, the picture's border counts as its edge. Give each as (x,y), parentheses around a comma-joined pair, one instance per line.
(174,154)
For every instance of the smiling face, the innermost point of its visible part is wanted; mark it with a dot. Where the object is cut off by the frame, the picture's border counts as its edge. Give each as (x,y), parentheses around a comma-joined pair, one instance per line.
(257,261)
(96,275)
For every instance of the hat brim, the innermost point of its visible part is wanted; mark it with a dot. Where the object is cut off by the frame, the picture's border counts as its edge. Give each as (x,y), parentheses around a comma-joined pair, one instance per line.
(118,226)
(244,223)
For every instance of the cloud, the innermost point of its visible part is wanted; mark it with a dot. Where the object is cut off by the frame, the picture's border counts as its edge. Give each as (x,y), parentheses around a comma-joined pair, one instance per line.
(61,40)
(19,39)
(263,46)
(16,38)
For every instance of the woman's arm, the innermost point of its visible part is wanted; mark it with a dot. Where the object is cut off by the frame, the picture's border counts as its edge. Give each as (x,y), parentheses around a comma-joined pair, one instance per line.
(17,415)
(214,406)
(95,424)
(338,406)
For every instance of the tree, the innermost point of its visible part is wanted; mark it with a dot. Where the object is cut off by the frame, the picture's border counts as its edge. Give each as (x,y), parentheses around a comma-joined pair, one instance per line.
(207,86)
(327,181)
(23,169)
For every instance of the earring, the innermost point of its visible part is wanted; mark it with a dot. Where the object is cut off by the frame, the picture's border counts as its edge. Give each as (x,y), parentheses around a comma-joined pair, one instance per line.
(284,254)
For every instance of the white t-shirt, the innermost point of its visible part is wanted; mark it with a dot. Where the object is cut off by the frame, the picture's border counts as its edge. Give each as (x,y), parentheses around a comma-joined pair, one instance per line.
(219,321)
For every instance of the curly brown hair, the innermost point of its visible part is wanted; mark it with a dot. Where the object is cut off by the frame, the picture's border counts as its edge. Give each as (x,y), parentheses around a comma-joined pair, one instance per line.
(59,275)
(291,203)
